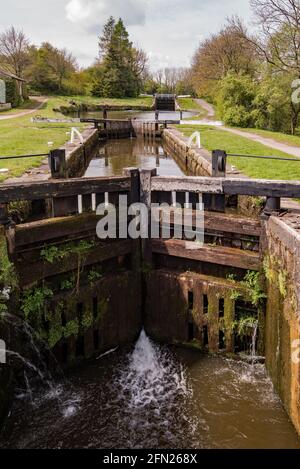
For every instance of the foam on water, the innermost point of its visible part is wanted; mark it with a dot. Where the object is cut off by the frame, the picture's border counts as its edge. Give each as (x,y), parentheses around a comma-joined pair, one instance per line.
(151,376)
(152,386)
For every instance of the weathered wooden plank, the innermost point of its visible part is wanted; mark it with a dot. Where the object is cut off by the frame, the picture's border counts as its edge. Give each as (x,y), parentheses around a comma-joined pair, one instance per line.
(213,254)
(229,223)
(36,271)
(108,121)
(227,186)
(261,187)
(62,188)
(54,228)
(187,184)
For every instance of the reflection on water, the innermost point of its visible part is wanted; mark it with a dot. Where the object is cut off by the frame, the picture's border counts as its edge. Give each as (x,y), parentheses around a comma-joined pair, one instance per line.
(137,152)
(157,397)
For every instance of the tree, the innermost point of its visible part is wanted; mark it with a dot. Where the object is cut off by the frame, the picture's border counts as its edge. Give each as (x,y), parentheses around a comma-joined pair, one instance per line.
(225,52)
(14,46)
(272,103)
(140,63)
(51,68)
(278,41)
(105,39)
(173,80)
(62,63)
(235,99)
(122,67)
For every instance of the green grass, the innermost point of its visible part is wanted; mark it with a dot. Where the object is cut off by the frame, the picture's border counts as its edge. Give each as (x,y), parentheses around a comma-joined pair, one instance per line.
(189,104)
(20,136)
(277,136)
(213,138)
(146,101)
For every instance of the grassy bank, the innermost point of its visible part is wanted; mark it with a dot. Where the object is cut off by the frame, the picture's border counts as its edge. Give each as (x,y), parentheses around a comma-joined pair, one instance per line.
(280,137)
(213,138)
(146,101)
(189,104)
(19,136)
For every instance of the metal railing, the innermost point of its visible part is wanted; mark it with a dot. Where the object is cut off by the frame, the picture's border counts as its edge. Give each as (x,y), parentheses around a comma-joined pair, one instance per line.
(23,156)
(272,157)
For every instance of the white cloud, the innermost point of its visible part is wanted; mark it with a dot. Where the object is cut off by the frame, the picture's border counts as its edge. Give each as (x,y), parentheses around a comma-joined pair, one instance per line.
(170,29)
(92,14)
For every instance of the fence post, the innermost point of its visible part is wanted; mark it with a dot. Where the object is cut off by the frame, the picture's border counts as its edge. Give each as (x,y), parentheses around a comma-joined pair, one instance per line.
(58,164)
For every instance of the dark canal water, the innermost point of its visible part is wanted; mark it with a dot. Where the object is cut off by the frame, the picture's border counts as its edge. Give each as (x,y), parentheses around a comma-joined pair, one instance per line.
(154,397)
(116,155)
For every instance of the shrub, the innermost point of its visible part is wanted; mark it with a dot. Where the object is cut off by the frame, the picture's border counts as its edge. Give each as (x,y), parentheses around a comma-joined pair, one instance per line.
(235,100)
(12,93)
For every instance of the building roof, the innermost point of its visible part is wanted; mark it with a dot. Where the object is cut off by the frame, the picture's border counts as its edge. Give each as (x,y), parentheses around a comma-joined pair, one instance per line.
(6,74)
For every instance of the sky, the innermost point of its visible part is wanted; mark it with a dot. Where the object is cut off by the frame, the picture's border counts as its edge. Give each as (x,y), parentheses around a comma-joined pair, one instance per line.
(168,30)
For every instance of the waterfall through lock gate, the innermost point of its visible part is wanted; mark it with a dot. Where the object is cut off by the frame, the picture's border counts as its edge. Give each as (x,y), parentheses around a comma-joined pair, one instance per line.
(151,396)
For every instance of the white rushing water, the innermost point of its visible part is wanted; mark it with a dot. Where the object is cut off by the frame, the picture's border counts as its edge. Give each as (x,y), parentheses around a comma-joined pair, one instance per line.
(153,392)
(152,376)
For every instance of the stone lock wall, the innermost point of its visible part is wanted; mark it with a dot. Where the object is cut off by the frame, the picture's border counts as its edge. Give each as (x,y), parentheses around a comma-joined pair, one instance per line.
(78,155)
(196,160)
(282,270)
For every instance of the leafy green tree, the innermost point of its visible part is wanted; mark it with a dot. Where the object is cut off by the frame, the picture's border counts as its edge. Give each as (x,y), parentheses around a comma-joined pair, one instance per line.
(51,69)
(105,39)
(272,103)
(235,100)
(119,73)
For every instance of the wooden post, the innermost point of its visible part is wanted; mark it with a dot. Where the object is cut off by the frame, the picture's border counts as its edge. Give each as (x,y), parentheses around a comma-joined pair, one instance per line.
(145,198)
(4,220)
(10,233)
(218,162)
(134,174)
(104,116)
(58,164)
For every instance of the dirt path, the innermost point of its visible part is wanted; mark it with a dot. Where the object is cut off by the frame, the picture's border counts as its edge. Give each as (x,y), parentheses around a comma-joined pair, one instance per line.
(40,103)
(208,108)
(269,142)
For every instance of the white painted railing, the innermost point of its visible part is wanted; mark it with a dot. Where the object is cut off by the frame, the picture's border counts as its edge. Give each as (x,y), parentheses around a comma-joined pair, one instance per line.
(195,137)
